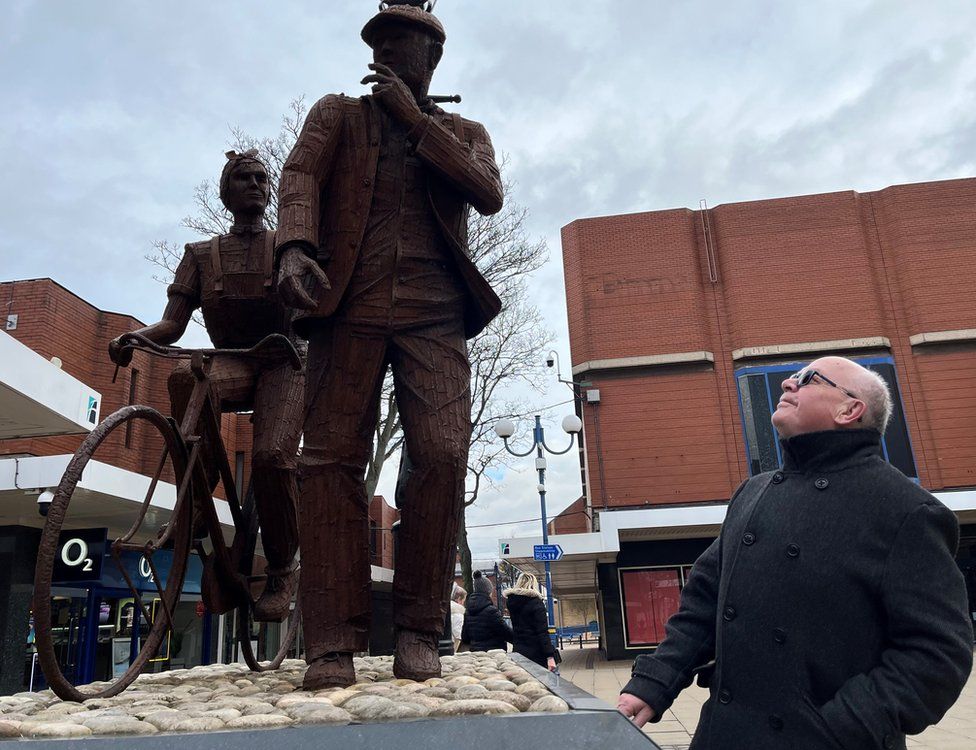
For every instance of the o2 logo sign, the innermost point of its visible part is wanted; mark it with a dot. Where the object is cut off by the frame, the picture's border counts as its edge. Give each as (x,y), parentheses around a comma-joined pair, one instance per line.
(74,553)
(79,555)
(145,570)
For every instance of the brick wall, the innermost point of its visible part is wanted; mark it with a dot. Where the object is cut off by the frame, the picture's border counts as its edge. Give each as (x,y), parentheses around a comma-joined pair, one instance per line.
(54,322)
(573,520)
(381,519)
(892,264)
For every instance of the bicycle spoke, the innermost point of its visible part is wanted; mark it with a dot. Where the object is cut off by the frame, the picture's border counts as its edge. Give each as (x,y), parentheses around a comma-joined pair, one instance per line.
(149,493)
(132,587)
(159,588)
(180,495)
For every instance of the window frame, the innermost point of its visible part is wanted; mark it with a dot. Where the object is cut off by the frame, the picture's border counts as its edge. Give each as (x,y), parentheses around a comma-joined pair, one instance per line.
(679,569)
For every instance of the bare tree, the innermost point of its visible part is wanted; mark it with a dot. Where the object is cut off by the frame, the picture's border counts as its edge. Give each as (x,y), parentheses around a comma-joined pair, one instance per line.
(506,354)
(503,357)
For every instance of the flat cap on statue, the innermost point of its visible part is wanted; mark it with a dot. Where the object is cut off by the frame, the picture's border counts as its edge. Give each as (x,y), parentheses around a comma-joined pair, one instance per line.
(415,15)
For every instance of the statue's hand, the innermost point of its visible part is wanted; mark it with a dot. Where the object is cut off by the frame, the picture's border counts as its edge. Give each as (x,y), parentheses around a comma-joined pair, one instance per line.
(301,280)
(394,95)
(119,355)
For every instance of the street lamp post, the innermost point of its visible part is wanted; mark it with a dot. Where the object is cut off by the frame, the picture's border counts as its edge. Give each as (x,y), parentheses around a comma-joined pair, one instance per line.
(572,425)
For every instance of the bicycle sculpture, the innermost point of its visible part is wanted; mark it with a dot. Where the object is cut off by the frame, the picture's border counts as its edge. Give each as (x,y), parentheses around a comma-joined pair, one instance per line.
(256,367)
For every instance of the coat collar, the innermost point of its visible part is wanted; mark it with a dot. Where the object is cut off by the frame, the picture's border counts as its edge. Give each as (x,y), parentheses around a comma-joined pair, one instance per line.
(830,450)
(522,592)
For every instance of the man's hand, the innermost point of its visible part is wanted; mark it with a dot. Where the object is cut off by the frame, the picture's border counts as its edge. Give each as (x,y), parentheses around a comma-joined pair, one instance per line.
(394,95)
(121,357)
(297,269)
(551,663)
(634,709)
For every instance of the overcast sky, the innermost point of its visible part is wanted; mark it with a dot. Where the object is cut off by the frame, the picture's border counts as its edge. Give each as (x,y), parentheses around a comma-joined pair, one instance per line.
(113,111)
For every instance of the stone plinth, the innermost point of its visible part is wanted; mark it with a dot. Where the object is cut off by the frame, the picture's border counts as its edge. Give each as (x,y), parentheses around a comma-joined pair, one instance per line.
(473,703)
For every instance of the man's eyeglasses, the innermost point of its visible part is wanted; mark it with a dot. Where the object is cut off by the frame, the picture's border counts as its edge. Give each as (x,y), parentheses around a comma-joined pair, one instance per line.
(805,377)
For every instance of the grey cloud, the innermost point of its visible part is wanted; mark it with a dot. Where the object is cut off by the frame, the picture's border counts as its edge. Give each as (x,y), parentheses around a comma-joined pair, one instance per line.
(114,111)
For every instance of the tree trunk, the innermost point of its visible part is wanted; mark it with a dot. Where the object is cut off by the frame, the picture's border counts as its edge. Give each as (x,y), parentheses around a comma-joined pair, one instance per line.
(465,550)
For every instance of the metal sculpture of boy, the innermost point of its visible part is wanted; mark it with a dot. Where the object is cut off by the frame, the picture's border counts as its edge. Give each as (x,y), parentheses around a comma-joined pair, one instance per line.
(372,247)
(231,279)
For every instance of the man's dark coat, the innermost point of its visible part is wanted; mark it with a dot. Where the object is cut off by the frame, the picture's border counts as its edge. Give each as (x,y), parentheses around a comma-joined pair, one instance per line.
(831,604)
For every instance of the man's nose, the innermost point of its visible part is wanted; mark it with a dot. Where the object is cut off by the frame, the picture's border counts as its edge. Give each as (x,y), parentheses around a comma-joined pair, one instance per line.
(789,384)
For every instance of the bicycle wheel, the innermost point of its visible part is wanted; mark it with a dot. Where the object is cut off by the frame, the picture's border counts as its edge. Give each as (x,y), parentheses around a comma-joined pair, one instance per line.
(174,537)
(245,611)
(244,624)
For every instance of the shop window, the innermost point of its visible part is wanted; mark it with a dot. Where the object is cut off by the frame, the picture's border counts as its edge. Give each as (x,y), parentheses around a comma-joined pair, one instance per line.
(239,473)
(759,390)
(374,542)
(649,597)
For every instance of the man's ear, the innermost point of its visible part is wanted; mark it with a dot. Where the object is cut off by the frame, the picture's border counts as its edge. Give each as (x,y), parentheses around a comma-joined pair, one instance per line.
(852,413)
(436,52)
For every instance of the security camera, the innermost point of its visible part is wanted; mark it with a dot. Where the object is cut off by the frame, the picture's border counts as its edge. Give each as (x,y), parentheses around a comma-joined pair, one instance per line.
(550,361)
(44,501)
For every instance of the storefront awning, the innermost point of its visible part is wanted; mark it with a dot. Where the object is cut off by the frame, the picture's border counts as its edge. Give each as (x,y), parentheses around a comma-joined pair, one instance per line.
(38,398)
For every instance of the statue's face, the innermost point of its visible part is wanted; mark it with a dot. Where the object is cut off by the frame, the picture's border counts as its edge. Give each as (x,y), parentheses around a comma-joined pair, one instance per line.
(247,189)
(408,52)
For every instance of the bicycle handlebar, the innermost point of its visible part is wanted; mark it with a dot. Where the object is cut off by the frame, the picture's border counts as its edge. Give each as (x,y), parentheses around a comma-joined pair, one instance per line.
(274,348)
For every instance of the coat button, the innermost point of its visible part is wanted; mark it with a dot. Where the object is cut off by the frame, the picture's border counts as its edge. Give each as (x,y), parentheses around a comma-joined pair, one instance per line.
(775,722)
(724,696)
(779,635)
(729,614)
(367,182)
(821,484)
(748,538)
(777,478)
(792,551)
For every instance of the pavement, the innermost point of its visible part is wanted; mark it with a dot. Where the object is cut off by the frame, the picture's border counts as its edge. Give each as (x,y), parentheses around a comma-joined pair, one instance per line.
(589,670)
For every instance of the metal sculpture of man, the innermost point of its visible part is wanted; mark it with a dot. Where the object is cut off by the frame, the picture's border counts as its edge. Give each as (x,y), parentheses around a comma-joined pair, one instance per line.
(231,279)
(372,247)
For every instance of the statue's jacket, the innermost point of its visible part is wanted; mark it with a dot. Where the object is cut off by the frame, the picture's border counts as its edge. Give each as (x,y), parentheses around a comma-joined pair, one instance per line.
(829,613)
(326,191)
(230,277)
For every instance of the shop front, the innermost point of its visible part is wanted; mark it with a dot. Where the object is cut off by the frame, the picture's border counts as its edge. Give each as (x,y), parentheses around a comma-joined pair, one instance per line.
(98,623)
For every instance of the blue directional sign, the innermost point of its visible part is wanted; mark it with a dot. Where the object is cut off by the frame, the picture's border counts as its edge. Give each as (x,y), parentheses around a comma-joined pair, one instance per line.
(547,552)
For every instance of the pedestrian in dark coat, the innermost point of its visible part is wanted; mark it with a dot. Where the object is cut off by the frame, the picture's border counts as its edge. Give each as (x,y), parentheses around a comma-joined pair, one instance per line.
(530,623)
(830,611)
(484,629)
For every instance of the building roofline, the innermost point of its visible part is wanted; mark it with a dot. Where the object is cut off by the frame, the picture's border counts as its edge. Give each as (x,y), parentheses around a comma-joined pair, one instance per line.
(75,295)
(776,199)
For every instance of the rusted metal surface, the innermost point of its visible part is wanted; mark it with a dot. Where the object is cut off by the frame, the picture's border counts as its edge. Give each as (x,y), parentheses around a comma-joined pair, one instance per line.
(49,544)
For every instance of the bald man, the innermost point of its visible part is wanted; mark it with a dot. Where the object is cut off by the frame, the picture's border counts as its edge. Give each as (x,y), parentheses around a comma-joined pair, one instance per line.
(830,612)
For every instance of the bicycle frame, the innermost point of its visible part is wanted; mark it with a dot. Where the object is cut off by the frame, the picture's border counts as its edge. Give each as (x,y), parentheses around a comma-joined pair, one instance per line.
(201,426)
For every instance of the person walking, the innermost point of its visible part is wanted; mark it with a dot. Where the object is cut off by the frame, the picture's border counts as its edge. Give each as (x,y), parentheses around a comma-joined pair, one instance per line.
(830,612)
(530,622)
(458,595)
(484,629)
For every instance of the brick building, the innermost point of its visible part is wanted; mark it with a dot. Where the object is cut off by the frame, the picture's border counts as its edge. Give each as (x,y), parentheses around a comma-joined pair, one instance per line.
(51,330)
(682,325)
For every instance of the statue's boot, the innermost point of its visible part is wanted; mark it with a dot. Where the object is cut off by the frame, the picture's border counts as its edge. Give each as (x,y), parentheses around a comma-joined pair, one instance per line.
(274,604)
(416,656)
(334,669)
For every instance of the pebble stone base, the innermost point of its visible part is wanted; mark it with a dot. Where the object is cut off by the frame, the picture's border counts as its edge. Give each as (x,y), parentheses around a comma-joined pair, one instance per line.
(230,697)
